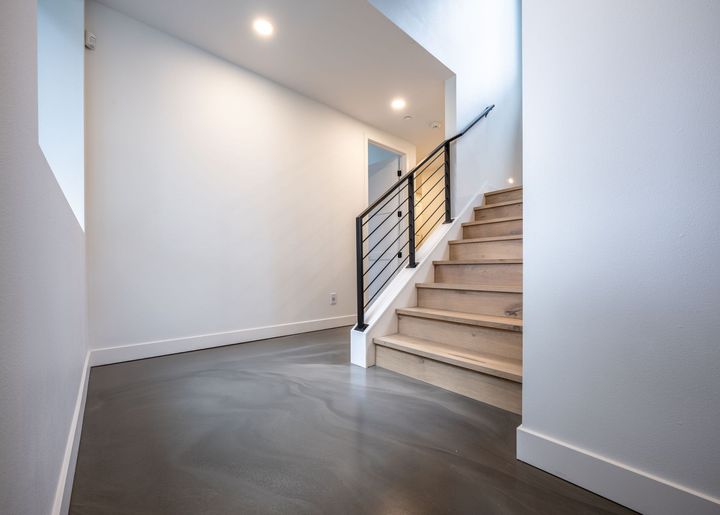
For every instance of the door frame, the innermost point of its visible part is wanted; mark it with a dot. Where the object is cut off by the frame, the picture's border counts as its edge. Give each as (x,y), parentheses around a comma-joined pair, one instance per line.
(407,156)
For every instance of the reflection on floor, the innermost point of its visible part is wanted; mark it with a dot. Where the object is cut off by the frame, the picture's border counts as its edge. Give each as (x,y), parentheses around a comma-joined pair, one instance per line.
(288,426)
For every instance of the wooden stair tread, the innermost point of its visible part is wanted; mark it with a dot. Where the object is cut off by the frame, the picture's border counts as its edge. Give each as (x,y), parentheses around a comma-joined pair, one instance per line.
(493,221)
(479,262)
(487,239)
(470,287)
(505,190)
(496,322)
(499,204)
(477,361)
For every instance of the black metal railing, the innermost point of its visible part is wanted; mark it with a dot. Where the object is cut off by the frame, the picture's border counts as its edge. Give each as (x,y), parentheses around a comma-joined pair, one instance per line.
(391,229)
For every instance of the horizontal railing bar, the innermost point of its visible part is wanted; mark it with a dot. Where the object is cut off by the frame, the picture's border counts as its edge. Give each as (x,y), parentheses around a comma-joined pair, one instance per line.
(386,281)
(424,185)
(431,215)
(388,217)
(401,182)
(379,256)
(381,208)
(383,268)
(430,203)
(441,179)
(430,177)
(424,161)
(414,198)
(431,162)
(429,232)
(386,235)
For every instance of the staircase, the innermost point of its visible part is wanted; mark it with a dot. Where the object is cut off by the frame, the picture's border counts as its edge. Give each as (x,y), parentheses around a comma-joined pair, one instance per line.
(465,335)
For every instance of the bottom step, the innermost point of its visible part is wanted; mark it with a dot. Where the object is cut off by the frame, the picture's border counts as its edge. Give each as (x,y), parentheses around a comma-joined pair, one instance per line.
(489,389)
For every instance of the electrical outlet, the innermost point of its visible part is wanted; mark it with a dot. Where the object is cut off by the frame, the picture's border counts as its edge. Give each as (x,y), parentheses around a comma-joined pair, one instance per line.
(333,299)
(90,40)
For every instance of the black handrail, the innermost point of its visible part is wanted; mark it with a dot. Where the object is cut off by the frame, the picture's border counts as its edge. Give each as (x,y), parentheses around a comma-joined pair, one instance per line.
(407,179)
(404,177)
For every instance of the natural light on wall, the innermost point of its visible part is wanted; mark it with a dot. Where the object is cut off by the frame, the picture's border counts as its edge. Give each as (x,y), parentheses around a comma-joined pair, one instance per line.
(60,58)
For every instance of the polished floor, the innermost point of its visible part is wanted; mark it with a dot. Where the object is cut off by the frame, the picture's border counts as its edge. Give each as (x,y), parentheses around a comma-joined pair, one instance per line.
(287,426)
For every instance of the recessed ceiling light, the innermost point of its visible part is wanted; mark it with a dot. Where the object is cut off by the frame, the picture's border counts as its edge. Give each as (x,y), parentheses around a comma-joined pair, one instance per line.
(263,27)
(434,125)
(398,104)
(408,117)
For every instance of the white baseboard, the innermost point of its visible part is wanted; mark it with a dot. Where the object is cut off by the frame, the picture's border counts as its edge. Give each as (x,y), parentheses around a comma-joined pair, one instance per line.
(118,354)
(61,505)
(641,491)
(109,355)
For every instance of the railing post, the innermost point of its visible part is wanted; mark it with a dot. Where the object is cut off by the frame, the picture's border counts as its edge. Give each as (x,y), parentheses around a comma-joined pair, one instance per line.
(411,220)
(407,180)
(448,196)
(361,325)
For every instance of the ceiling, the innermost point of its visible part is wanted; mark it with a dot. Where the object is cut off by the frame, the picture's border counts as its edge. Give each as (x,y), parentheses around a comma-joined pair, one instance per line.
(343,53)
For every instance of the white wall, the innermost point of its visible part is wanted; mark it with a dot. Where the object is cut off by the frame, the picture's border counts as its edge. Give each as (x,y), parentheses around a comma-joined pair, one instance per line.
(218,201)
(42,289)
(480,41)
(60,57)
(622,283)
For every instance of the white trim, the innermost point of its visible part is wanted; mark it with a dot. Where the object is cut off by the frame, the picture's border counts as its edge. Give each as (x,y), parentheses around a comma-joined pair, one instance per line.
(120,353)
(401,293)
(636,489)
(61,504)
(408,156)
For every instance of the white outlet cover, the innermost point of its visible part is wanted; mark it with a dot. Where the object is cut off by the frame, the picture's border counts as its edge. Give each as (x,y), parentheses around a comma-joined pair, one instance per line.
(90,40)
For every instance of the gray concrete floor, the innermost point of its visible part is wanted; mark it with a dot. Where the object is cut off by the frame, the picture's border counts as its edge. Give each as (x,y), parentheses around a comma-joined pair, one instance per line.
(288,426)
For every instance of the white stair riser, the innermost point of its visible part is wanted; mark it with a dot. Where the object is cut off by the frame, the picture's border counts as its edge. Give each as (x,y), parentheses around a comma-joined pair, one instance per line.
(475,338)
(479,302)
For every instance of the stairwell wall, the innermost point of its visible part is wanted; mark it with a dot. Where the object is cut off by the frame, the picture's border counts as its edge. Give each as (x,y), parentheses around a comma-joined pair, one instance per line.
(622,284)
(43,343)
(480,41)
(221,205)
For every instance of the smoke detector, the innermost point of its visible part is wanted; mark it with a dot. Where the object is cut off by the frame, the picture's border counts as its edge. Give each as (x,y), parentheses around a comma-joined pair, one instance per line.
(434,125)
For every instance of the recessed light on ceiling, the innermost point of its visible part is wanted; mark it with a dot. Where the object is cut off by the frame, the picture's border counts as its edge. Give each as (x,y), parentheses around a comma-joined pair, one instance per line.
(434,125)
(408,117)
(263,27)
(398,103)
